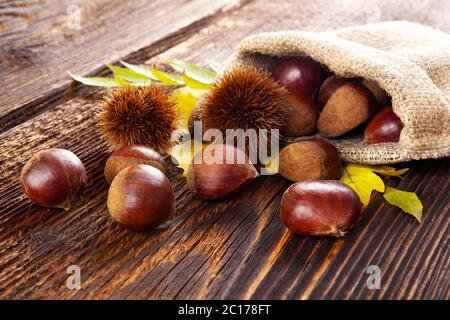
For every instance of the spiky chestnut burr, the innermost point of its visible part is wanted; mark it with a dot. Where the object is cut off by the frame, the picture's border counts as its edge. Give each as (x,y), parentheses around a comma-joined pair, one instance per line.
(245,98)
(140,115)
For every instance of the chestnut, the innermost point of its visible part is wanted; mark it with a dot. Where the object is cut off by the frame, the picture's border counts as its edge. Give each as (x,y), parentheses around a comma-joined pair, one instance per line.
(140,198)
(380,95)
(219,171)
(311,158)
(129,155)
(54,178)
(328,88)
(320,208)
(385,126)
(302,116)
(299,75)
(351,105)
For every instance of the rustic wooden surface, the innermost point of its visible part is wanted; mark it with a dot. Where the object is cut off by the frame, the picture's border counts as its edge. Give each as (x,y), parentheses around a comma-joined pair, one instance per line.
(230,249)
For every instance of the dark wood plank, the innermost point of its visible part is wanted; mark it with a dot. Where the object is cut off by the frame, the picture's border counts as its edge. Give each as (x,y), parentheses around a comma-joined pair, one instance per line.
(38,45)
(231,249)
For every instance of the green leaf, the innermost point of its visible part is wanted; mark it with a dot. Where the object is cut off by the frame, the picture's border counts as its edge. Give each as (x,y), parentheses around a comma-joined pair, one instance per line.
(194,84)
(167,78)
(95,81)
(143,70)
(193,71)
(123,83)
(183,153)
(362,180)
(185,101)
(407,201)
(178,65)
(129,75)
(200,74)
(215,66)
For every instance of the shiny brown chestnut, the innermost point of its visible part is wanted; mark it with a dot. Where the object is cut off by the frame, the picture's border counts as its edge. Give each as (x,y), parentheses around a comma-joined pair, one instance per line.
(299,75)
(351,105)
(328,88)
(129,155)
(302,116)
(140,198)
(311,158)
(54,178)
(219,171)
(320,208)
(385,126)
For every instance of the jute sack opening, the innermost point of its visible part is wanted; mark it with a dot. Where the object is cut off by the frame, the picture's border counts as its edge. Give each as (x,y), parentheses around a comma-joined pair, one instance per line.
(410,61)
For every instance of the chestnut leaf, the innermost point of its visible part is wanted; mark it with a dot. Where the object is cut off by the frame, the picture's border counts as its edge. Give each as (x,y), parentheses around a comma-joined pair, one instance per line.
(407,201)
(146,71)
(385,170)
(271,165)
(183,153)
(167,78)
(362,180)
(193,71)
(194,84)
(129,75)
(95,81)
(186,100)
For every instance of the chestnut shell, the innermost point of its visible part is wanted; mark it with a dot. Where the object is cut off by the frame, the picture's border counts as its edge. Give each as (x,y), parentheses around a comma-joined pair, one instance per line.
(385,126)
(210,179)
(300,75)
(141,197)
(54,178)
(320,208)
(310,158)
(130,155)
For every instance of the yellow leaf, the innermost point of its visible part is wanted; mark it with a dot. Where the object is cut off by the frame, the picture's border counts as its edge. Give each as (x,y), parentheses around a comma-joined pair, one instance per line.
(193,83)
(270,166)
(129,75)
(185,101)
(146,71)
(407,201)
(167,78)
(362,180)
(390,171)
(183,153)
(193,72)
(384,170)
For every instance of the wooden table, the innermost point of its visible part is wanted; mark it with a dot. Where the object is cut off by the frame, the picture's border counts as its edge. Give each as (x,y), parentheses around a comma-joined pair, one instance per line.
(230,249)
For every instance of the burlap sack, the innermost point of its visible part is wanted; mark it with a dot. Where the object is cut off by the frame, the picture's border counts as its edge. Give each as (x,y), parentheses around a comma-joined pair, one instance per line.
(410,61)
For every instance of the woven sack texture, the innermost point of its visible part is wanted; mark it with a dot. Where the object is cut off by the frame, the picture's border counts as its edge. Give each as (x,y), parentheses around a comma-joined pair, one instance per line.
(410,61)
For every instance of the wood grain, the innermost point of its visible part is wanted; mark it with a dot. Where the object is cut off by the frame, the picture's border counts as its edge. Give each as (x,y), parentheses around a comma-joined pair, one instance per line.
(38,43)
(236,248)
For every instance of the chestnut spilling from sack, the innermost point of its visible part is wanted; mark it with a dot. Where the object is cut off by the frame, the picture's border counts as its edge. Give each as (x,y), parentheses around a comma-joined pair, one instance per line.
(344,104)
